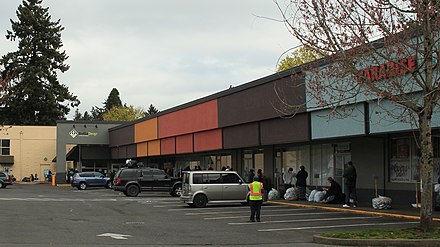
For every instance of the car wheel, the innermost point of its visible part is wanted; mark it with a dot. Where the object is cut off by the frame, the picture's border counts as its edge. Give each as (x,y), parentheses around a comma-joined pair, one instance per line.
(132,190)
(108,185)
(177,190)
(200,201)
(82,186)
(2,185)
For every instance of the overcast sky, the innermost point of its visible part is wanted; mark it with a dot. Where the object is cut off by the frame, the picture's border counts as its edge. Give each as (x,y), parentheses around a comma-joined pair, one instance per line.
(165,52)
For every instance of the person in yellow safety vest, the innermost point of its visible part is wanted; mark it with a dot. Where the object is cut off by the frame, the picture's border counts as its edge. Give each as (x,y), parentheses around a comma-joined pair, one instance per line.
(255,199)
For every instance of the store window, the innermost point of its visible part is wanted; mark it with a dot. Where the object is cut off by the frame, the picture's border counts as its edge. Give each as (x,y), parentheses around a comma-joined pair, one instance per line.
(322,164)
(405,157)
(5,147)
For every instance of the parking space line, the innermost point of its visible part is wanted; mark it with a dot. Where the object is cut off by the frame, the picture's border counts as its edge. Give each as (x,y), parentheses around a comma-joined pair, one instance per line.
(306,220)
(235,212)
(336,226)
(272,215)
(217,208)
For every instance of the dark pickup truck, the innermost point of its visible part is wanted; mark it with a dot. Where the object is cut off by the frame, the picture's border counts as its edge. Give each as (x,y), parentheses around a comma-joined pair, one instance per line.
(131,181)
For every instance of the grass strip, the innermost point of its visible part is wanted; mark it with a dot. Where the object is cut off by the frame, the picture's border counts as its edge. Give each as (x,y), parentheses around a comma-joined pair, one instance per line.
(407,233)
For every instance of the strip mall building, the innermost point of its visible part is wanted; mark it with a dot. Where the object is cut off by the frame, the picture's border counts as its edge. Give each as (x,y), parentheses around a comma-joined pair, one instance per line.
(241,128)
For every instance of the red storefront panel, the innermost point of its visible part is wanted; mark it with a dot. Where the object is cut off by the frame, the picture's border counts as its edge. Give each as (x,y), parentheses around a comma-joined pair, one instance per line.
(184,144)
(192,119)
(168,146)
(208,140)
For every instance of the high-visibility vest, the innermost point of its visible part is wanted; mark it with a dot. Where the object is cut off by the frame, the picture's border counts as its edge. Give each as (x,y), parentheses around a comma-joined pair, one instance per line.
(255,193)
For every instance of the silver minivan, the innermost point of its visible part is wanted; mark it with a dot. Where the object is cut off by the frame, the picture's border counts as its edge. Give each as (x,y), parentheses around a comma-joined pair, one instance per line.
(202,187)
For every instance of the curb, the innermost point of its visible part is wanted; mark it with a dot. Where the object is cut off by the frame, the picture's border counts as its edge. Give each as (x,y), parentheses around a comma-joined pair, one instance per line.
(376,242)
(359,211)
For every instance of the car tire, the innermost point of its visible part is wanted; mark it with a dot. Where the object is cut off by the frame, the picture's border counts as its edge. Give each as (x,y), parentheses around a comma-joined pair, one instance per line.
(2,185)
(177,191)
(200,201)
(82,186)
(132,190)
(108,185)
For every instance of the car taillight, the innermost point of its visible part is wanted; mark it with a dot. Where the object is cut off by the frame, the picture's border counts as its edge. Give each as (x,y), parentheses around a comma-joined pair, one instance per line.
(8,179)
(118,181)
(75,178)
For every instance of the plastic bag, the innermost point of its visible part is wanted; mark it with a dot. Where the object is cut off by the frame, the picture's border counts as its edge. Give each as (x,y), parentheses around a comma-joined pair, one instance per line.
(381,202)
(319,195)
(312,196)
(273,195)
(291,194)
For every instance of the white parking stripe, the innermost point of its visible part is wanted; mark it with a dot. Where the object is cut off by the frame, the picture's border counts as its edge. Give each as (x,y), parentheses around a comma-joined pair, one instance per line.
(235,212)
(217,208)
(336,226)
(306,220)
(272,215)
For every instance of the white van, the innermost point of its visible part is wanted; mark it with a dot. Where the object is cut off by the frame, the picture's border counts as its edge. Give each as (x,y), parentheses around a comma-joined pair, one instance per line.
(202,187)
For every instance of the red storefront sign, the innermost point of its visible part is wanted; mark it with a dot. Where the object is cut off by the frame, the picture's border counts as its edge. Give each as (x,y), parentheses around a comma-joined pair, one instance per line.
(388,70)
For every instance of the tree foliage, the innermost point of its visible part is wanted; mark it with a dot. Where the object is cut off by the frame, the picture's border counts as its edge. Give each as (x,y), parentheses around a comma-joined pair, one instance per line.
(298,57)
(152,110)
(123,113)
(369,42)
(31,93)
(113,100)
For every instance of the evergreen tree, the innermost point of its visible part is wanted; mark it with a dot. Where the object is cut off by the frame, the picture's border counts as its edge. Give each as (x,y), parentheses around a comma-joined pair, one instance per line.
(34,95)
(112,100)
(151,110)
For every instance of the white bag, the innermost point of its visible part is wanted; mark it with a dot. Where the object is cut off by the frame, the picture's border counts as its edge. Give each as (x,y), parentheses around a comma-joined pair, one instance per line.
(273,195)
(291,194)
(319,195)
(312,196)
(381,202)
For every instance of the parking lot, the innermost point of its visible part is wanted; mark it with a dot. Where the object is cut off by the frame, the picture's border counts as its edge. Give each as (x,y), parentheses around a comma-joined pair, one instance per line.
(45,215)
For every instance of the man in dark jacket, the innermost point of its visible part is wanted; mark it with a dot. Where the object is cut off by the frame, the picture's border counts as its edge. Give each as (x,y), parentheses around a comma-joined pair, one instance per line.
(334,193)
(301,182)
(350,177)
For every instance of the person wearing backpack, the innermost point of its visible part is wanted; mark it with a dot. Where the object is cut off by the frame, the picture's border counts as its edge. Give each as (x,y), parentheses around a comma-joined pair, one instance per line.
(350,177)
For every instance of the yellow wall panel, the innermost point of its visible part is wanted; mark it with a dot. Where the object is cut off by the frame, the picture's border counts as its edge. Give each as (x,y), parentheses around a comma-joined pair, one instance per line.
(142,149)
(146,130)
(154,148)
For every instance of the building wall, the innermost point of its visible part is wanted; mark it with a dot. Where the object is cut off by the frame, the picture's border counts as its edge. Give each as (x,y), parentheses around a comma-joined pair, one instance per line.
(33,148)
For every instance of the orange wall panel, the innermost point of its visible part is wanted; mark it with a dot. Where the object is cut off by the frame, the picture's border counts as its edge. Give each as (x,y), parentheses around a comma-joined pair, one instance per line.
(168,146)
(154,148)
(208,140)
(146,130)
(196,118)
(142,149)
(184,144)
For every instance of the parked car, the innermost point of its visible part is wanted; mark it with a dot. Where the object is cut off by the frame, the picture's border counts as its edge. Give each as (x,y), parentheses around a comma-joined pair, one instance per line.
(83,180)
(202,187)
(131,181)
(5,180)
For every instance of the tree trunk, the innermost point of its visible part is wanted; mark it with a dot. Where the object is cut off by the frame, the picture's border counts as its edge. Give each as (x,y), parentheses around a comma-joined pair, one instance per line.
(426,168)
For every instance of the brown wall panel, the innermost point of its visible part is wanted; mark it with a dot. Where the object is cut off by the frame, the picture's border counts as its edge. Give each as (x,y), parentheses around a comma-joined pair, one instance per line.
(131,151)
(168,146)
(245,135)
(154,148)
(121,136)
(260,102)
(142,149)
(114,153)
(184,144)
(146,130)
(285,130)
(208,140)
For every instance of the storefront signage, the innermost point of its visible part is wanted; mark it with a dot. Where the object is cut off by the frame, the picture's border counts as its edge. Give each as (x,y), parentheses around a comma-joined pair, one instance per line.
(388,70)
(74,133)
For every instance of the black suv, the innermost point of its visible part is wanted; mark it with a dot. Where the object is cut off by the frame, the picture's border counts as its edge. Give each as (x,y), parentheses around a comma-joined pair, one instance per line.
(132,181)
(5,180)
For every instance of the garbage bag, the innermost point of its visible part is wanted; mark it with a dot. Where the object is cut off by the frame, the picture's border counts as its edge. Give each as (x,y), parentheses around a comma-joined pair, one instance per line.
(381,202)
(291,194)
(273,195)
(319,195)
(312,196)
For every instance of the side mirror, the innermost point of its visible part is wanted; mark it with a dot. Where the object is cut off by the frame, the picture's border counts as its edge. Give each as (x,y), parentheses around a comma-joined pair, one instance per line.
(240,181)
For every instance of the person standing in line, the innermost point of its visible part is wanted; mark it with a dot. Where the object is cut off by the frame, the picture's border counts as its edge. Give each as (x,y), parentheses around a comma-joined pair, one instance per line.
(251,175)
(350,177)
(301,182)
(255,199)
(288,178)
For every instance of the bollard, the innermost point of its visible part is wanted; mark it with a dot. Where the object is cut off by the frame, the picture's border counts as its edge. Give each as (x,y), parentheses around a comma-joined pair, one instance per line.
(53,180)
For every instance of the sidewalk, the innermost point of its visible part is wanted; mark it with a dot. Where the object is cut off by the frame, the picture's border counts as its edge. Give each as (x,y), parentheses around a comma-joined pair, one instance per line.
(397,211)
